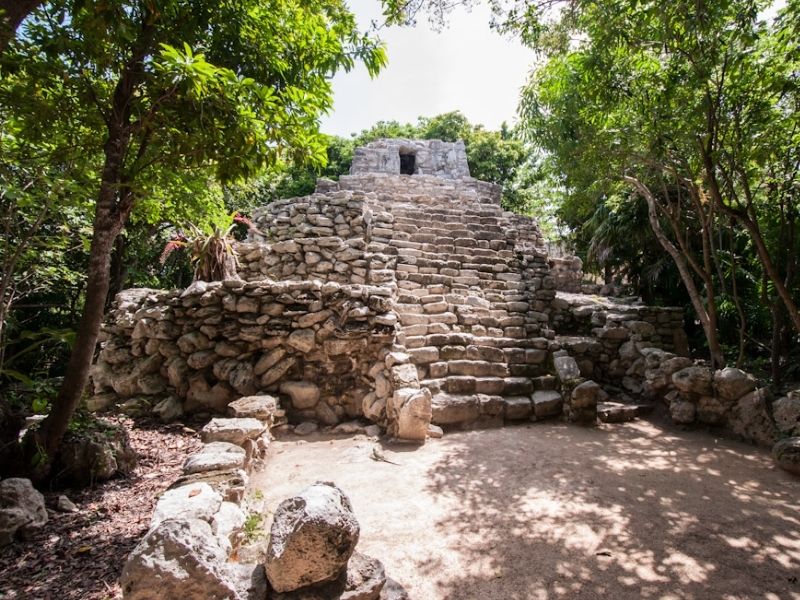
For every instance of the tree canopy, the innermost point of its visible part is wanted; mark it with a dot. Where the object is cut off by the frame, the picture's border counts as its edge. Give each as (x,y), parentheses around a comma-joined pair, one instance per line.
(138,99)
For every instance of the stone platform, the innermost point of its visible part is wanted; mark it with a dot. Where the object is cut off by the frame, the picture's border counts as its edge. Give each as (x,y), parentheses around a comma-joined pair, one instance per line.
(403,299)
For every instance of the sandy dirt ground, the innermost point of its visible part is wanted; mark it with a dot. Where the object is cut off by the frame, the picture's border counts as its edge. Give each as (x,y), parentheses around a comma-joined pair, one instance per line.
(555,511)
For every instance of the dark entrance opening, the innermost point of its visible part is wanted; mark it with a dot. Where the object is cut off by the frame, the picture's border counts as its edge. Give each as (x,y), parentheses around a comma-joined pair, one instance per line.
(408,163)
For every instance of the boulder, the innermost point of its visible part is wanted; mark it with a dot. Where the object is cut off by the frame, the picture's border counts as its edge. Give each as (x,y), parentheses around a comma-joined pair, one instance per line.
(364,579)
(304,394)
(234,431)
(306,428)
(682,411)
(178,559)
(711,410)
(169,409)
(750,419)
(694,380)
(786,412)
(227,525)
(94,452)
(786,454)
(585,395)
(196,501)
(566,368)
(214,457)
(250,581)
(261,407)
(312,537)
(22,509)
(732,383)
(393,591)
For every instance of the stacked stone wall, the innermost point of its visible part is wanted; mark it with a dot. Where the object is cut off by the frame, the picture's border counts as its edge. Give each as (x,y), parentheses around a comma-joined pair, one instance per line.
(319,345)
(321,236)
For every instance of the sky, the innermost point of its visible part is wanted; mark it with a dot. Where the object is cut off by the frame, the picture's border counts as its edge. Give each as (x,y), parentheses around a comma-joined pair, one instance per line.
(466,67)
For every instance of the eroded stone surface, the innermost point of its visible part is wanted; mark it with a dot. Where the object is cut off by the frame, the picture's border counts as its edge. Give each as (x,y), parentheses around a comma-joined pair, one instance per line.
(178,559)
(312,537)
(234,431)
(22,509)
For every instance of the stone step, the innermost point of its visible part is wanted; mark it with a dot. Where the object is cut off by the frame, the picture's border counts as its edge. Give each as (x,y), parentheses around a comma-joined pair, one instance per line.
(465,339)
(478,410)
(616,412)
(469,384)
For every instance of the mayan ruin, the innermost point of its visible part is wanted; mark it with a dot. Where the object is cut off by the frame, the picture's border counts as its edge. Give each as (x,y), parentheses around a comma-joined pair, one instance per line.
(399,300)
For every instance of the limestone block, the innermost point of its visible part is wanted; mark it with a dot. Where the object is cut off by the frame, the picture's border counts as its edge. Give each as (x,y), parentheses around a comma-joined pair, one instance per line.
(694,380)
(178,559)
(616,412)
(234,431)
(277,372)
(517,407)
(448,409)
(404,376)
(214,457)
(169,409)
(302,340)
(313,536)
(303,394)
(566,368)
(196,501)
(731,383)
(411,410)
(262,407)
(546,403)
(269,360)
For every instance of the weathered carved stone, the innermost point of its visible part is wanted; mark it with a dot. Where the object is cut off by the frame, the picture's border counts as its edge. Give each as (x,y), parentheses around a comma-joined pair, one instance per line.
(313,535)
(178,559)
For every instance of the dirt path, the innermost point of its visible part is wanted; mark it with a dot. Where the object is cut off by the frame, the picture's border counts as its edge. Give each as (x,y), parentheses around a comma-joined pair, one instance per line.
(555,511)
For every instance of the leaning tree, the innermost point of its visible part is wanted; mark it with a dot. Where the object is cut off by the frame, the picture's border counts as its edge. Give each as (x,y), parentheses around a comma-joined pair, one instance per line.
(164,85)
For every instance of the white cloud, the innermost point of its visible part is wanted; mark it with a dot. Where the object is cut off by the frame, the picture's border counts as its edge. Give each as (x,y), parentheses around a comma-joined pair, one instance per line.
(466,67)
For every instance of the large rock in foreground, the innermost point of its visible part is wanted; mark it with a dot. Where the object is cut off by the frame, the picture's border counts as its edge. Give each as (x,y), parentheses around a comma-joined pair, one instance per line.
(364,579)
(786,455)
(312,538)
(178,559)
(22,509)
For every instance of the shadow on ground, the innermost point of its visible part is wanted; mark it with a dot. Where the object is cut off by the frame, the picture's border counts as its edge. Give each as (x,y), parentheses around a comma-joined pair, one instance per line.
(551,511)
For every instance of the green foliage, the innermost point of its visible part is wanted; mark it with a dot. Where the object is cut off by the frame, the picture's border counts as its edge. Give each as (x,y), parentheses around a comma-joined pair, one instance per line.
(697,102)
(190,94)
(253,527)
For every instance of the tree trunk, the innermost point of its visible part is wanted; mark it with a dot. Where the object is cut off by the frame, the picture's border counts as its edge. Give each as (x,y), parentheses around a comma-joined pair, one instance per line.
(753,229)
(106,229)
(708,322)
(114,204)
(12,13)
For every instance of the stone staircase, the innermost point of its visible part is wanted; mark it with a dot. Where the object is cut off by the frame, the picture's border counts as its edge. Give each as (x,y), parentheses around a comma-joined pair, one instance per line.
(467,317)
